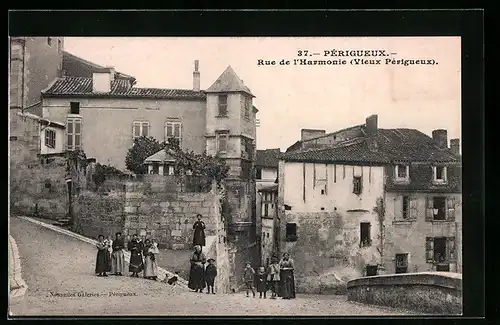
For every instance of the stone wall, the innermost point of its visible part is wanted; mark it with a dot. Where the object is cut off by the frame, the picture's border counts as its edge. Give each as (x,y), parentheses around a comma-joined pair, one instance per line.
(100,214)
(427,292)
(327,250)
(166,216)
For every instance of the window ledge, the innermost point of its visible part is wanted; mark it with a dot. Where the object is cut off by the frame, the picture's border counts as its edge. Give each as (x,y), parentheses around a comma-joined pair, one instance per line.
(221,116)
(74,115)
(442,221)
(439,182)
(401,181)
(404,222)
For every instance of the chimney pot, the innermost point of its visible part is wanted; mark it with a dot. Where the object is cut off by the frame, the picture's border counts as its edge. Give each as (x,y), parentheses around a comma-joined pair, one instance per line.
(371,125)
(455,146)
(196,76)
(440,136)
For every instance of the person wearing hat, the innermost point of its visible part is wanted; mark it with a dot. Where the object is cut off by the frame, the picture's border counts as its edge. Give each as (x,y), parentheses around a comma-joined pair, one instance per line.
(210,274)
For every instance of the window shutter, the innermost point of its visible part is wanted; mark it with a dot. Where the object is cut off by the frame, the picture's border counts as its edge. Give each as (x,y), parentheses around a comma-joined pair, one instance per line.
(429,249)
(450,209)
(429,213)
(47,140)
(451,249)
(413,207)
(445,176)
(434,173)
(398,207)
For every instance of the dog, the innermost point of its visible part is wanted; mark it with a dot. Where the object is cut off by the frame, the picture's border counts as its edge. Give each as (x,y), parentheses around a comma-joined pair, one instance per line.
(173,279)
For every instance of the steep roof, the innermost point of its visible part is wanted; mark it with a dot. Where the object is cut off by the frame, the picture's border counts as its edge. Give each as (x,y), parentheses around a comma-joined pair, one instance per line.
(298,144)
(81,86)
(70,61)
(160,156)
(229,81)
(392,145)
(267,158)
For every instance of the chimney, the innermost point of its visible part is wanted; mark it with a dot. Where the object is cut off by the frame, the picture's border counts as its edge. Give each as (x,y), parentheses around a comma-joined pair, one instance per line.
(196,76)
(112,72)
(101,81)
(307,134)
(371,125)
(455,146)
(440,136)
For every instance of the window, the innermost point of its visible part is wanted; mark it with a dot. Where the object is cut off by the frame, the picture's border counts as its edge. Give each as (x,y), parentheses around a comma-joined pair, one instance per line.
(266,209)
(323,192)
(440,250)
(439,174)
(222,139)
(291,232)
(74,108)
(440,208)
(247,102)
(50,138)
(365,234)
(222,105)
(357,185)
(141,129)
(49,41)
(59,46)
(402,172)
(258,173)
(173,130)
(406,207)
(74,134)
(401,263)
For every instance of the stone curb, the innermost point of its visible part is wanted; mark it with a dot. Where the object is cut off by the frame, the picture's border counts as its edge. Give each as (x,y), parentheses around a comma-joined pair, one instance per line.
(162,273)
(19,291)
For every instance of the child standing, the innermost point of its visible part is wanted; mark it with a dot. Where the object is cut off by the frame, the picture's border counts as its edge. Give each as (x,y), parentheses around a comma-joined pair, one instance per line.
(249,278)
(210,274)
(262,282)
(273,276)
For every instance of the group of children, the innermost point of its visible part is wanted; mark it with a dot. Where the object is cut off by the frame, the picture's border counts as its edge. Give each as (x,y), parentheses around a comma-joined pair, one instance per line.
(266,280)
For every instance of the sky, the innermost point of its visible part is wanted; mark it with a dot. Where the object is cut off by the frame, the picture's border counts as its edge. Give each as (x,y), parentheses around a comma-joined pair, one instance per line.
(294,97)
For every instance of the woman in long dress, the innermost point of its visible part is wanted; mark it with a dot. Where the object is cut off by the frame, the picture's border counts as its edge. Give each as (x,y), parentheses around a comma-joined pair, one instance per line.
(150,265)
(136,265)
(197,260)
(118,257)
(199,232)
(287,277)
(102,261)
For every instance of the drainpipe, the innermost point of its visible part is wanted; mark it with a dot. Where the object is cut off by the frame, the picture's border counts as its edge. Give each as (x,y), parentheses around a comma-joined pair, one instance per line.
(23,73)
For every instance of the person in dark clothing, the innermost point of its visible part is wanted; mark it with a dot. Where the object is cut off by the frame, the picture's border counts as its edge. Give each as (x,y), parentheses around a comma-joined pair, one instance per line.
(196,281)
(262,282)
(102,261)
(199,232)
(210,274)
(136,264)
(249,278)
(118,257)
(287,277)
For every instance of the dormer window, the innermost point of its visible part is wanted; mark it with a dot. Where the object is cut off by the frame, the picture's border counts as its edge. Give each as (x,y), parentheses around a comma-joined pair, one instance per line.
(439,174)
(402,173)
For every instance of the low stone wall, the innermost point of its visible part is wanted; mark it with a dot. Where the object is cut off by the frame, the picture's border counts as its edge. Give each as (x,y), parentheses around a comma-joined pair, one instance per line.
(100,214)
(427,292)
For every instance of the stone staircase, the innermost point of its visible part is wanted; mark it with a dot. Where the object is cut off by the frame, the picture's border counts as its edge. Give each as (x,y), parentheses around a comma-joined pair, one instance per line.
(62,222)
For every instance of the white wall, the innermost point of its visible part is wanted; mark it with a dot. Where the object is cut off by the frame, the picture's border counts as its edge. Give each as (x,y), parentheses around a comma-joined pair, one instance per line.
(338,181)
(60,140)
(269,174)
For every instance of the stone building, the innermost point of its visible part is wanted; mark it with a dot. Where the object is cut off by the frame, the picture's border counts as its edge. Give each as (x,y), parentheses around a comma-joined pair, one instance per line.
(266,175)
(342,208)
(269,240)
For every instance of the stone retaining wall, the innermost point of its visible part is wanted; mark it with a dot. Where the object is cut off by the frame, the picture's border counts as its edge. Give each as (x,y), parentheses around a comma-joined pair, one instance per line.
(427,292)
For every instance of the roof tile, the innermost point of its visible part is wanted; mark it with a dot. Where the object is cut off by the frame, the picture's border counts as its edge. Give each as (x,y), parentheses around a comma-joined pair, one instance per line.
(268,158)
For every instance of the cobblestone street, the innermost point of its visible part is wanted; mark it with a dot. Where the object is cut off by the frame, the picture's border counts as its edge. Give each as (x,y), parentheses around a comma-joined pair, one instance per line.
(59,272)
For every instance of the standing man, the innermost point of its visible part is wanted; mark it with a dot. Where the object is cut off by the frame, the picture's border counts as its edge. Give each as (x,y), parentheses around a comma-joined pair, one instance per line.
(199,232)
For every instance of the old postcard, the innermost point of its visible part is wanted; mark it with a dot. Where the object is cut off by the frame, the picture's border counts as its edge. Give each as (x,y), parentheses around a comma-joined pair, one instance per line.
(251,176)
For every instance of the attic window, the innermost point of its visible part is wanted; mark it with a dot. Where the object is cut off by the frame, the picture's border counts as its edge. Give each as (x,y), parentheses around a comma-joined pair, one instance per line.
(439,174)
(74,107)
(402,172)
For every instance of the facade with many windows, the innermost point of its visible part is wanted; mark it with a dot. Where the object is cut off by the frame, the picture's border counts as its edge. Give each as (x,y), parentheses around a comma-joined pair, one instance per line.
(389,198)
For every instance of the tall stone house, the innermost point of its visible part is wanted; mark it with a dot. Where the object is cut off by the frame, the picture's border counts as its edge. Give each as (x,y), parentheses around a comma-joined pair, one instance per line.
(103,112)
(365,196)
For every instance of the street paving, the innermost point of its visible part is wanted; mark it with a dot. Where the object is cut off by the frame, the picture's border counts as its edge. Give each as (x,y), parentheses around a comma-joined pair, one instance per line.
(59,272)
